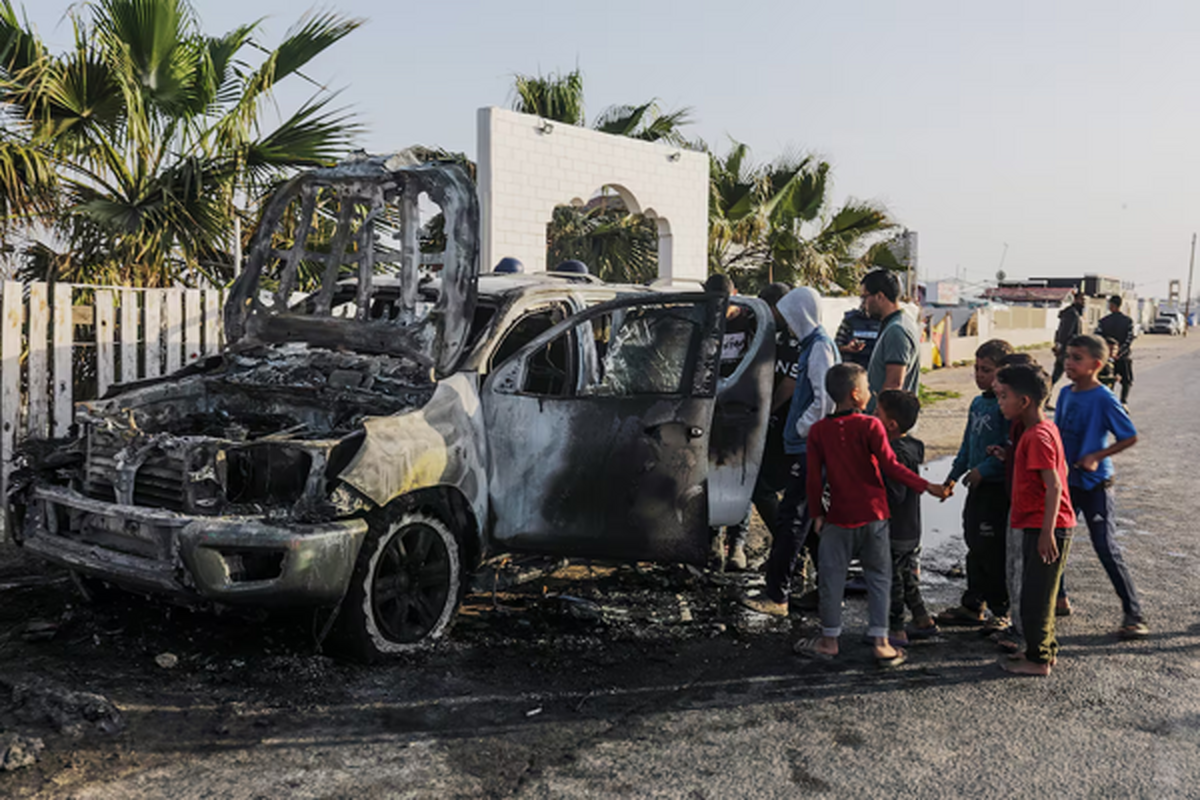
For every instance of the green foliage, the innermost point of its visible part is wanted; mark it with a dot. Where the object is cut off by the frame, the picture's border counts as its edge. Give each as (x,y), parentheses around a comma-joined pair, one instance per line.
(133,146)
(616,245)
(555,97)
(773,222)
(929,396)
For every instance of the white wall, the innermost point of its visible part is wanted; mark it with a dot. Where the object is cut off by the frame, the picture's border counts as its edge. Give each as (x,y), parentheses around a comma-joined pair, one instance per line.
(524,172)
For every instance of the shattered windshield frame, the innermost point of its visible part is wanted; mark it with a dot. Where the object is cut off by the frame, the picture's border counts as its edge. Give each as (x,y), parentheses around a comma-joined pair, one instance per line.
(360,221)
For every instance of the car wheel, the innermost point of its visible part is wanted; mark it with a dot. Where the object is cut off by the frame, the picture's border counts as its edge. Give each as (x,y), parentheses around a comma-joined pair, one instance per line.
(405,590)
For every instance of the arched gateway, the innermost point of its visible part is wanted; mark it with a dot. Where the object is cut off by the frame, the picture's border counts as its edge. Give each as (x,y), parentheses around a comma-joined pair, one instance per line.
(528,165)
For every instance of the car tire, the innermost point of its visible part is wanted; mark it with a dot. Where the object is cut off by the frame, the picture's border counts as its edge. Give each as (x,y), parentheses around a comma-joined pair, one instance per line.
(405,590)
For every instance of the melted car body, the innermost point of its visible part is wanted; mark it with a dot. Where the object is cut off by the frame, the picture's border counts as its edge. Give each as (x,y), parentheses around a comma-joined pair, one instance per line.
(360,446)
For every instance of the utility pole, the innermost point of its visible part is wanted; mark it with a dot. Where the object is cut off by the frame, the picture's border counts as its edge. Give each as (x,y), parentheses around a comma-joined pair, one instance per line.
(1187,300)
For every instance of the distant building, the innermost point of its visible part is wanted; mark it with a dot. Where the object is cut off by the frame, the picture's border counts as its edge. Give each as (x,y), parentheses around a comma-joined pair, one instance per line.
(1030,294)
(1091,285)
(943,293)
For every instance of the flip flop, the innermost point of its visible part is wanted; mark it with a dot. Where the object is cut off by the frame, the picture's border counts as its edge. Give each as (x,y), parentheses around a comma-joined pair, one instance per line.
(1134,630)
(1010,646)
(807,648)
(923,633)
(959,616)
(895,661)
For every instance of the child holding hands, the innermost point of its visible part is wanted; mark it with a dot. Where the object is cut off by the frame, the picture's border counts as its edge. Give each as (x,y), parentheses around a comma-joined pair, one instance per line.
(848,450)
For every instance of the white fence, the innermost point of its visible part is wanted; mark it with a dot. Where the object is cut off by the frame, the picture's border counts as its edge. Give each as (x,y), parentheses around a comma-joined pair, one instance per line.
(63,342)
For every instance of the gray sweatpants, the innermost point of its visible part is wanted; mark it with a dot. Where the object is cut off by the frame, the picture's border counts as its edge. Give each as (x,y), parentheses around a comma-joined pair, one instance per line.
(1014,564)
(871,545)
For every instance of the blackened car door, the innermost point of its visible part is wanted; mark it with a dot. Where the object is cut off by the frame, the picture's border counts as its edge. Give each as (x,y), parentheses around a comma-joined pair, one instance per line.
(605,454)
(739,429)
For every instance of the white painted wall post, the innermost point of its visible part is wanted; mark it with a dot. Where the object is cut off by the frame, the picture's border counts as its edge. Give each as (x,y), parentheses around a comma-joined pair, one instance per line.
(39,376)
(11,319)
(63,343)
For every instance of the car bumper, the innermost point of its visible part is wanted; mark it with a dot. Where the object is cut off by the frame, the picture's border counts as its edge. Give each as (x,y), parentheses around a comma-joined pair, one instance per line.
(236,560)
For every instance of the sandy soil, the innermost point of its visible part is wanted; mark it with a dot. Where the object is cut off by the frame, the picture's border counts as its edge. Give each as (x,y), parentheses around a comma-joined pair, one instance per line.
(941,424)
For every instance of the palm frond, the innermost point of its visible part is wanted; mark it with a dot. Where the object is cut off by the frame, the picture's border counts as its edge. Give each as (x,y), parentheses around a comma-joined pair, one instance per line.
(554,97)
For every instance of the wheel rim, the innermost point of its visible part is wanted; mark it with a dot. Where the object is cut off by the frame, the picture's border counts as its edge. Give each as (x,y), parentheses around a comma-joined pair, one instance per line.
(411,584)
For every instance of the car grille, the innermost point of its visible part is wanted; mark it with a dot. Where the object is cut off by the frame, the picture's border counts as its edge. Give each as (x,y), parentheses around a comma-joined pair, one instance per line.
(158,483)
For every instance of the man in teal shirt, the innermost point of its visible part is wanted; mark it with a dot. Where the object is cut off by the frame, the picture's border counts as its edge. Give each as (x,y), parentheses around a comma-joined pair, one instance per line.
(896,360)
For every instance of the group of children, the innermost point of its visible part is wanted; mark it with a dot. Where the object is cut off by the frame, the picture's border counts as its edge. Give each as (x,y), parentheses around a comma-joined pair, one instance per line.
(1026,476)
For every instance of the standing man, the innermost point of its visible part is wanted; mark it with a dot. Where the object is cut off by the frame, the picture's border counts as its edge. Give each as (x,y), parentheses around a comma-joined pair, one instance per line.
(896,360)
(801,311)
(1119,327)
(730,548)
(1070,325)
(856,337)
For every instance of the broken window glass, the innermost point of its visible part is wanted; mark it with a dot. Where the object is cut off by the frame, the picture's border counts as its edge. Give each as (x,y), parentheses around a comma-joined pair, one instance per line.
(644,350)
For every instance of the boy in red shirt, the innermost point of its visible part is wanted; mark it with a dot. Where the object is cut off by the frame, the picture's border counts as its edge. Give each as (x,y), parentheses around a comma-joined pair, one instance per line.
(847,450)
(1041,507)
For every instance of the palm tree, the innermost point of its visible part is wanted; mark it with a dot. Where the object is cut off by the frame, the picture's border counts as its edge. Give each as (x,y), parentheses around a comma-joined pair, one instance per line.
(133,147)
(555,97)
(617,246)
(772,223)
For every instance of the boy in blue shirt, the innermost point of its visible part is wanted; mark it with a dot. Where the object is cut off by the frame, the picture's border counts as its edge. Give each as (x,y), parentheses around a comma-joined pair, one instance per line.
(985,512)
(1087,412)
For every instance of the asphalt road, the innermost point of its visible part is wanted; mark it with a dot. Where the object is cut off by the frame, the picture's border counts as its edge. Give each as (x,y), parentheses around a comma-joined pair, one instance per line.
(557,707)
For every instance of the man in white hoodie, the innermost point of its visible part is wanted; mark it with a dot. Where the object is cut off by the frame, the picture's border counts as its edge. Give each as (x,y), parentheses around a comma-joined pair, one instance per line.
(800,309)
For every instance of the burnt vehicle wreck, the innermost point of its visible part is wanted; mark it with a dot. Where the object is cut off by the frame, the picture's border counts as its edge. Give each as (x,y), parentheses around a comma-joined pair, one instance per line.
(361,448)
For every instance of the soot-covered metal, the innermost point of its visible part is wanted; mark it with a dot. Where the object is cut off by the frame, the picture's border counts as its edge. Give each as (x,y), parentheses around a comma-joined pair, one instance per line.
(374,428)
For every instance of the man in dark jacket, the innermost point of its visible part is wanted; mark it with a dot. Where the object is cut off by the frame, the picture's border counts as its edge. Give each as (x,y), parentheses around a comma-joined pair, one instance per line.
(1119,327)
(1070,325)
(856,337)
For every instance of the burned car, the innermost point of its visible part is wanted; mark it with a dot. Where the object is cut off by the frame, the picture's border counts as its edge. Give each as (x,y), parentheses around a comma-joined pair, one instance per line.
(363,447)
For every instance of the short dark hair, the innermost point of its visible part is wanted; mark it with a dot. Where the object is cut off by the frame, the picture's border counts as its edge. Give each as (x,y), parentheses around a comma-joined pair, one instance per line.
(901,406)
(1026,380)
(1093,344)
(994,350)
(1017,360)
(772,293)
(841,379)
(719,283)
(882,280)
(1115,300)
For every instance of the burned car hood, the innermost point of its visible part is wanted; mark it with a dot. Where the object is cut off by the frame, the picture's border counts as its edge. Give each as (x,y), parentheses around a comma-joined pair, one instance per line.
(331,238)
(264,429)
(293,391)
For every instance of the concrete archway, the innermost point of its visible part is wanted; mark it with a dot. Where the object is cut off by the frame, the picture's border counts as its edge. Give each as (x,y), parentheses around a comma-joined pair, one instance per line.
(527,166)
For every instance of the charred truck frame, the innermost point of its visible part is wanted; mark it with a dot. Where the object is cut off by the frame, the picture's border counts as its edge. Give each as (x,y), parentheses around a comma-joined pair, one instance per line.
(361,449)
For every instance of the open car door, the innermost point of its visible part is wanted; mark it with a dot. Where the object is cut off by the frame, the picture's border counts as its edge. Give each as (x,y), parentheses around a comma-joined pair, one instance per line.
(599,432)
(739,429)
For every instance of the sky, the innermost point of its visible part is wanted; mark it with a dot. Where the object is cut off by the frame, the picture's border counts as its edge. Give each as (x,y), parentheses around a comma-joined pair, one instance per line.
(1050,138)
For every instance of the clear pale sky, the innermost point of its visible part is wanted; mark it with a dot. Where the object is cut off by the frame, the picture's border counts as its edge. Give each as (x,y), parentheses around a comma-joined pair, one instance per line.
(1064,129)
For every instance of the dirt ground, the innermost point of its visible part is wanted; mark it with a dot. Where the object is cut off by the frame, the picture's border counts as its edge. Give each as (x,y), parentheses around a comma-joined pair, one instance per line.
(941,425)
(132,697)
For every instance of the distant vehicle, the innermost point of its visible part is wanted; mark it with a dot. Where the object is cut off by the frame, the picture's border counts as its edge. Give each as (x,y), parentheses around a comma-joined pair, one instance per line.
(1169,322)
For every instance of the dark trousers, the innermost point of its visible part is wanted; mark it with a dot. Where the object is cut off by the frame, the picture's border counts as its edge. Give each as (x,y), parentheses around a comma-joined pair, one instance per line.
(791,528)
(906,583)
(1059,366)
(1039,586)
(1096,506)
(772,479)
(1124,369)
(985,527)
